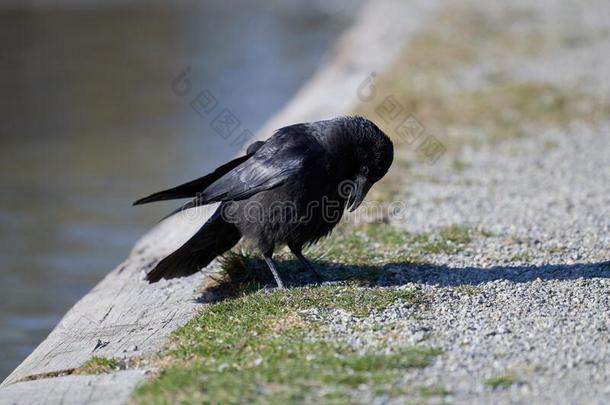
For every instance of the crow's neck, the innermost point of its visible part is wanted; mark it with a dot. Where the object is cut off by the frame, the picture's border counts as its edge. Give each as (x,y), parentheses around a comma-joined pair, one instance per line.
(341,143)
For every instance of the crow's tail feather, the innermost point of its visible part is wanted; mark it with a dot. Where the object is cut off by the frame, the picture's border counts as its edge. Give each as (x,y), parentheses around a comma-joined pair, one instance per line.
(213,239)
(193,188)
(190,189)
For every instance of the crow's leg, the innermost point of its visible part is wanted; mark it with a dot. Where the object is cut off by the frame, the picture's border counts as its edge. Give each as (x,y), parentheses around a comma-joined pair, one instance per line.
(271,264)
(297,252)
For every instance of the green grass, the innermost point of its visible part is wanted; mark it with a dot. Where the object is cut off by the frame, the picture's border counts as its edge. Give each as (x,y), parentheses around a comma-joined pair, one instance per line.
(370,244)
(502,381)
(448,240)
(521,257)
(456,234)
(459,165)
(468,289)
(363,253)
(434,391)
(382,243)
(99,365)
(485,233)
(261,348)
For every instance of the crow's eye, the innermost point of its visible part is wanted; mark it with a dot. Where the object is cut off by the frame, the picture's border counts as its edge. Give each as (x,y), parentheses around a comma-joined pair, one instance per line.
(364,170)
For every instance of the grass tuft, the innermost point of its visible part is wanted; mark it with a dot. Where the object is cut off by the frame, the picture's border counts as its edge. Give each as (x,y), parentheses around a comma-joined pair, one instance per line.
(503,381)
(99,365)
(521,257)
(468,289)
(434,391)
(450,240)
(457,234)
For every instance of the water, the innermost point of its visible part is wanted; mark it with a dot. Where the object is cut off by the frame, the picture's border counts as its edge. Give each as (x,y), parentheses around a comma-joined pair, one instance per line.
(89,123)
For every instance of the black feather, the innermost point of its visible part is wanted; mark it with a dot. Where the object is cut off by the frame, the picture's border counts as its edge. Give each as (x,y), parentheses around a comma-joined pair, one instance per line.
(214,238)
(192,188)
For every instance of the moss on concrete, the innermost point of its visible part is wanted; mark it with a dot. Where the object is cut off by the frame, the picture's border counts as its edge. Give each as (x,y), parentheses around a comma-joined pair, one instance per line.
(100,365)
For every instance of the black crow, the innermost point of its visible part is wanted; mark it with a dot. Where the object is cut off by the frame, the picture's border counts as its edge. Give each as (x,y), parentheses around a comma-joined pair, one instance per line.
(289,190)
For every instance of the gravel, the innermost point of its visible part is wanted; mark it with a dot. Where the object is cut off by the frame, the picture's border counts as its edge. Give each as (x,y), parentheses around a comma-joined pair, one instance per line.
(538,311)
(550,337)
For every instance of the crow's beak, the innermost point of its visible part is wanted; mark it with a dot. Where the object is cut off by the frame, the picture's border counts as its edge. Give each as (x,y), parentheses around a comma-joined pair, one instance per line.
(361,186)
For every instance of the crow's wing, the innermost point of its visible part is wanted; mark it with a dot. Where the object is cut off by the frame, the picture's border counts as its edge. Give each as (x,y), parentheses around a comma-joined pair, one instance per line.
(280,159)
(192,188)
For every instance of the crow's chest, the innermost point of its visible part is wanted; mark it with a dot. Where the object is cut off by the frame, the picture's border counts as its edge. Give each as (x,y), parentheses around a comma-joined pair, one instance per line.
(294,213)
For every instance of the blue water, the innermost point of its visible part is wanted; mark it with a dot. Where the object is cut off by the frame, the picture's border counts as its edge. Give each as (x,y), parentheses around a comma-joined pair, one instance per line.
(89,122)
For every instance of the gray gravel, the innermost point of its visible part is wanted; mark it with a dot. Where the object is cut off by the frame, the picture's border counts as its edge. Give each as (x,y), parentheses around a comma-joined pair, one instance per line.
(539,309)
(550,336)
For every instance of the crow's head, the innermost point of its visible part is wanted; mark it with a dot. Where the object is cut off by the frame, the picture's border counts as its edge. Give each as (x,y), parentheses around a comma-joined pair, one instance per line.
(373,153)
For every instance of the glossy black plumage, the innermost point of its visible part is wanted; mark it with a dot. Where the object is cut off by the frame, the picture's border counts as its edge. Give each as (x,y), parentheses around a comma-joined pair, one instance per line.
(289,190)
